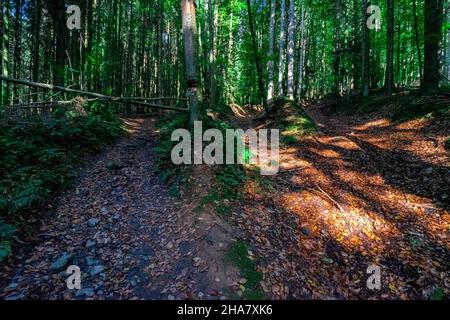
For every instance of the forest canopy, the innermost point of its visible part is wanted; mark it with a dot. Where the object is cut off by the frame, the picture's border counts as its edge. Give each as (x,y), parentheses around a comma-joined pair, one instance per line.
(248,51)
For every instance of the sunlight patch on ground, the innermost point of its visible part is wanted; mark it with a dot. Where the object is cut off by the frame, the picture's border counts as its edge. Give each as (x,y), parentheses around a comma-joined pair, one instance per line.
(133,125)
(341,142)
(327,153)
(354,229)
(378,123)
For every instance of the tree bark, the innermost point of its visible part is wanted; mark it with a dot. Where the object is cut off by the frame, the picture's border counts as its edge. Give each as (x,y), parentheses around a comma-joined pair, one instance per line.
(282,45)
(337,48)
(389,81)
(2,50)
(302,53)
(6,49)
(270,64)
(17,43)
(213,27)
(416,37)
(256,56)
(447,53)
(433,35)
(190,58)
(58,12)
(35,47)
(291,50)
(365,53)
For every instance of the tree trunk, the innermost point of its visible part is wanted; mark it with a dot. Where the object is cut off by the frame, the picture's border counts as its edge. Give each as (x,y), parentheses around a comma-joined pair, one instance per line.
(302,53)
(230,57)
(270,64)
(256,56)
(35,47)
(190,58)
(17,44)
(291,50)
(2,50)
(447,53)
(433,36)
(399,40)
(389,81)
(337,48)
(282,46)
(58,12)
(6,49)
(365,53)
(416,34)
(213,26)
(356,46)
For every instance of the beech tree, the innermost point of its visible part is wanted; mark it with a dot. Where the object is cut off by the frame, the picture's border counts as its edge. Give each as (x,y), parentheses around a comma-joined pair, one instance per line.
(433,18)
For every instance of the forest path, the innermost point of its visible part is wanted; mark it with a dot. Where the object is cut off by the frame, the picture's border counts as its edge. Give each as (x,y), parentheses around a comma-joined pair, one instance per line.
(362,191)
(130,238)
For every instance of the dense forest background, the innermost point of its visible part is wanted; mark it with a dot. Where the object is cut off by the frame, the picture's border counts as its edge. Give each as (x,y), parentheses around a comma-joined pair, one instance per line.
(300,49)
(358,89)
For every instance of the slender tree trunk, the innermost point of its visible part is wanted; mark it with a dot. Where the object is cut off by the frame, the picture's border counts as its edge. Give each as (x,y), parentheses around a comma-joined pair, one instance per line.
(337,47)
(447,55)
(256,56)
(190,57)
(365,53)
(433,35)
(399,40)
(17,44)
(35,47)
(282,47)
(389,81)
(291,51)
(6,49)
(356,46)
(213,27)
(270,64)
(230,56)
(416,34)
(302,53)
(58,13)
(1,51)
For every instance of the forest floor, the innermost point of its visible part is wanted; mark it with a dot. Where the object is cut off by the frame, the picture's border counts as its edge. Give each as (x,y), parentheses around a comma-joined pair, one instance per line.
(130,238)
(361,191)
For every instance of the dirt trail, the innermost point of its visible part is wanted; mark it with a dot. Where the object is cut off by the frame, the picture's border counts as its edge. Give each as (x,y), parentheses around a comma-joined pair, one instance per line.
(362,191)
(130,238)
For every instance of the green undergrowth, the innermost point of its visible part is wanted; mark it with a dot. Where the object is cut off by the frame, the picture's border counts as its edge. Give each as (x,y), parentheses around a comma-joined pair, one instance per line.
(422,107)
(403,107)
(293,122)
(38,157)
(238,256)
(172,174)
(357,104)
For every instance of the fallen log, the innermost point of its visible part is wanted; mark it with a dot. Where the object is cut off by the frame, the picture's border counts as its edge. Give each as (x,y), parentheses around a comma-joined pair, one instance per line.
(90,94)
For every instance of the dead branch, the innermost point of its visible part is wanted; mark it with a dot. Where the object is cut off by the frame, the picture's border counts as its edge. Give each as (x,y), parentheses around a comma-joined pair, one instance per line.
(329,198)
(90,94)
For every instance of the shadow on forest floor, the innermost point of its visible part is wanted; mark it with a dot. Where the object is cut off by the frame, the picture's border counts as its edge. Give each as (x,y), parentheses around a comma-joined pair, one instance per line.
(363,190)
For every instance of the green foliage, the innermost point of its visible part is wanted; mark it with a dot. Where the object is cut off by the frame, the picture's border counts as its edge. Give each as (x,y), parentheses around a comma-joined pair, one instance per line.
(294,123)
(237,255)
(6,233)
(447,144)
(174,175)
(229,177)
(357,104)
(415,108)
(38,157)
(438,294)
